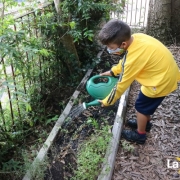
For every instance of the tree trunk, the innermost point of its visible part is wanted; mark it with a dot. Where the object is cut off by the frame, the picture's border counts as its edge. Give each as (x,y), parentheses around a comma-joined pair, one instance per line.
(164,21)
(159,20)
(67,40)
(175,20)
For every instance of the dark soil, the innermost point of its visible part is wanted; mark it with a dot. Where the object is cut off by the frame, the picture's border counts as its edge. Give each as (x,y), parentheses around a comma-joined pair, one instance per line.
(63,153)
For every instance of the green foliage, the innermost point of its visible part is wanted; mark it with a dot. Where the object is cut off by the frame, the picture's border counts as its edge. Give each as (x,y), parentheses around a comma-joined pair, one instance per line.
(13,165)
(91,154)
(84,18)
(25,60)
(35,65)
(93,122)
(17,170)
(52,119)
(38,168)
(127,146)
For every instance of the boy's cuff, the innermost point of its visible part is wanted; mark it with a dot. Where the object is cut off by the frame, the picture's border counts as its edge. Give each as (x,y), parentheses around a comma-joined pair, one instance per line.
(105,103)
(112,73)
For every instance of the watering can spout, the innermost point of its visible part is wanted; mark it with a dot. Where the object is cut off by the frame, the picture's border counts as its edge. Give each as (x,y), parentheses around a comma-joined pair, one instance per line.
(92,103)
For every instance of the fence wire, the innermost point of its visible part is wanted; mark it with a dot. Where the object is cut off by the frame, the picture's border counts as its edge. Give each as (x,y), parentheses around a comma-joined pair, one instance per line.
(17,77)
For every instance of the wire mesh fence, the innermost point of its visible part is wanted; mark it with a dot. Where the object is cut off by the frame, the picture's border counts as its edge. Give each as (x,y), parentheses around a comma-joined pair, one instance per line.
(21,66)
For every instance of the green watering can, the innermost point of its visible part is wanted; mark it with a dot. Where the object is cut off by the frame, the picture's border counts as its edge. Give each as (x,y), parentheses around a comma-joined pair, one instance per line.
(99,87)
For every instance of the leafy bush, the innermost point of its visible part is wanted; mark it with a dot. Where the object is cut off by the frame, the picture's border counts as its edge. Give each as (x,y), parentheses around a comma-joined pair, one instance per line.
(37,70)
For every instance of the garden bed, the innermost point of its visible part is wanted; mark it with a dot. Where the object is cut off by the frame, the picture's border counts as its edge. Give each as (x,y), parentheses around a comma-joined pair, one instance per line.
(68,135)
(73,134)
(149,161)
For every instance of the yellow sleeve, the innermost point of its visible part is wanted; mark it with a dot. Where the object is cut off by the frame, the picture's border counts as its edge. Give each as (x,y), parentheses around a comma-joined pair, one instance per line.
(129,72)
(116,70)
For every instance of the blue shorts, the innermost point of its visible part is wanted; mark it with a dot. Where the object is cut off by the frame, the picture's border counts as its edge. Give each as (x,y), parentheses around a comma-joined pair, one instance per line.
(146,105)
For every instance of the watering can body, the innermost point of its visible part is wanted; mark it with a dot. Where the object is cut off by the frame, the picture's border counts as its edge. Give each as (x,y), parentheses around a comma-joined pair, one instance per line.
(100,86)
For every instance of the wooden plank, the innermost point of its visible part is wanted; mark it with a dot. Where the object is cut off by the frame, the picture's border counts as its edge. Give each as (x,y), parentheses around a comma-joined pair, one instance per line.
(108,166)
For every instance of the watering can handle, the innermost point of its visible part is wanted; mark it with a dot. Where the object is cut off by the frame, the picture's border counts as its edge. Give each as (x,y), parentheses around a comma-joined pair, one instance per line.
(98,76)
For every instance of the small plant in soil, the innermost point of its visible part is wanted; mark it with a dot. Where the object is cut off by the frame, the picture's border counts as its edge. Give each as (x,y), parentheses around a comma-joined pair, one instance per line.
(93,122)
(107,64)
(127,146)
(91,153)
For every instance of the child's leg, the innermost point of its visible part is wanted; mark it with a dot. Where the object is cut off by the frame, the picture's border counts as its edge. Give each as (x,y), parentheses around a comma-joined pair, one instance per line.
(133,122)
(142,122)
(145,107)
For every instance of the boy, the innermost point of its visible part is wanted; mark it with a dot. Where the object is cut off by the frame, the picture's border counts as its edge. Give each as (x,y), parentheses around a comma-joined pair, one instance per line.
(145,60)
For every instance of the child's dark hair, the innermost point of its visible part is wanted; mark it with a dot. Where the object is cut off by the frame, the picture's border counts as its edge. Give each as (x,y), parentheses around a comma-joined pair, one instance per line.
(114,31)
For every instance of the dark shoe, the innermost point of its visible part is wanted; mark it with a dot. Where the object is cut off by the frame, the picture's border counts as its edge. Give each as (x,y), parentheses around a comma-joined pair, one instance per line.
(133,124)
(133,136)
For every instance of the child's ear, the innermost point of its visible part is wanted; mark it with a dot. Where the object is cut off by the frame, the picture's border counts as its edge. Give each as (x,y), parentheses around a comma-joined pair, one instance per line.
(124,44)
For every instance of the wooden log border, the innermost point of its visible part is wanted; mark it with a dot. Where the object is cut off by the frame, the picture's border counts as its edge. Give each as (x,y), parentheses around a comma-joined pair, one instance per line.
(110,157)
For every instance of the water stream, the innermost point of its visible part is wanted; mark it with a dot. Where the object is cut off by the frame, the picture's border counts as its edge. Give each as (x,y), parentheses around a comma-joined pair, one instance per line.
(74,113)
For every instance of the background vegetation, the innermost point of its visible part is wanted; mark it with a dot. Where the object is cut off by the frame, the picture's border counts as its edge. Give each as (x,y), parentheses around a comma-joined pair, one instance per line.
(43,56)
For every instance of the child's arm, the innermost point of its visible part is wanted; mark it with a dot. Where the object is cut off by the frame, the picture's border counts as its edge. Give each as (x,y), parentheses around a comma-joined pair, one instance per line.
(107,73)
(117,69)
(129,72)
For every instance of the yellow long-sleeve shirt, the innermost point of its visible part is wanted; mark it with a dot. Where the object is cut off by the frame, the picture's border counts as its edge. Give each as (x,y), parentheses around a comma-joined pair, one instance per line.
(150,63)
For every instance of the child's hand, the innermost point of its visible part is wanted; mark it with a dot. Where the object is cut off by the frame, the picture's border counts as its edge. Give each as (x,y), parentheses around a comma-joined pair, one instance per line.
(102,105)
(107,73)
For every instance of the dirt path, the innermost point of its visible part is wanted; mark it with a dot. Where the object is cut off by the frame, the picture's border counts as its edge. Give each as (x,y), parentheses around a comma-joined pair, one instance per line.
(150,161)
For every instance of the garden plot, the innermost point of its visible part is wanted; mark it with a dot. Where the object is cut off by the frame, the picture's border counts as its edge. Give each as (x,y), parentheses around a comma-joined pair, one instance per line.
(158,158)
(92,128)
